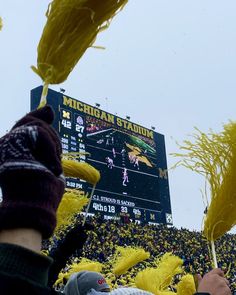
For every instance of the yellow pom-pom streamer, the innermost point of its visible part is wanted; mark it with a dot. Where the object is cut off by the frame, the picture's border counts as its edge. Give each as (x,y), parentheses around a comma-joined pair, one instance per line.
(1,24)
(186,286)
(80,170)
(72,202)
(72,27)
(127,257)
(84,264)
(214,156)
(156,280)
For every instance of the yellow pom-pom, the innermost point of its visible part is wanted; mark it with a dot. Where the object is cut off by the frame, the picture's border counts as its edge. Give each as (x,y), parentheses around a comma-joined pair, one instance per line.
(186,286)
(72,27)
(214,156)
(127,257)
(221,214)
(84,264)
(72,202)
(156,280)
(80,170)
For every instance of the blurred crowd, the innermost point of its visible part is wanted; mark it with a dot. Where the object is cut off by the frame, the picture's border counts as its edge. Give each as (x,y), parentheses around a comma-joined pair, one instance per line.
(157,240)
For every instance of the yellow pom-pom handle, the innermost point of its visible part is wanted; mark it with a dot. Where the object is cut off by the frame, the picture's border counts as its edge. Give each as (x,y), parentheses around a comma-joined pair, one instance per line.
(43,99)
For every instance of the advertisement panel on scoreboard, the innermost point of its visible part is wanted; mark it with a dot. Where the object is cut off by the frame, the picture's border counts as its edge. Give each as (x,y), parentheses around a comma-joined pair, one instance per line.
(130,158)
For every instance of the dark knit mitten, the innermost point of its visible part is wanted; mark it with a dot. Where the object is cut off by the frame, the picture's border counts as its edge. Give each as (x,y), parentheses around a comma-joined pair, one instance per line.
(74,240)
(31,174)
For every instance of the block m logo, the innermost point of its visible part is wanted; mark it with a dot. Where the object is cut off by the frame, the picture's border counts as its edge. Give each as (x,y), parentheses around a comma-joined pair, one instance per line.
(163,173)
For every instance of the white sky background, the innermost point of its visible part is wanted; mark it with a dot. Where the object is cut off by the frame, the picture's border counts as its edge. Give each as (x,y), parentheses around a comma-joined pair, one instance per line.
(168,64)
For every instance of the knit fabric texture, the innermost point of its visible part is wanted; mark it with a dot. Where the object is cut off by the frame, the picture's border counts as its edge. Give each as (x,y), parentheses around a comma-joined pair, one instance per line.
(31,174)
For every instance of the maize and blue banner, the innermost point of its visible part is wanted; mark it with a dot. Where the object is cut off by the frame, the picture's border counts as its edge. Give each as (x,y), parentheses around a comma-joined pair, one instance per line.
(130,158)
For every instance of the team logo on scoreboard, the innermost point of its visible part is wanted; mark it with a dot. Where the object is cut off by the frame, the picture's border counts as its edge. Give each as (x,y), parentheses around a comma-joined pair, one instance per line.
(152,216)
(79,120)
(66,114)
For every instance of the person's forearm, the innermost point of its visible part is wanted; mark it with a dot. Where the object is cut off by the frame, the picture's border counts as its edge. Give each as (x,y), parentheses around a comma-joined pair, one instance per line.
(74,240)
(24,237)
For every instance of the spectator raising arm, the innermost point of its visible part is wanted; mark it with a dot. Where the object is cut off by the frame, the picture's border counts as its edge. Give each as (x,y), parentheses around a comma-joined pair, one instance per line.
(32,186)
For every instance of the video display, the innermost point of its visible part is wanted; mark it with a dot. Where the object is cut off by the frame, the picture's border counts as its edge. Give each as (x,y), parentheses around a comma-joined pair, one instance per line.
(130,158)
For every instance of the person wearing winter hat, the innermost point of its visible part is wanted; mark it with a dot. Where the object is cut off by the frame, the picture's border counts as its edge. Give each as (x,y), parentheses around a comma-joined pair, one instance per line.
(81,283)
(32,186)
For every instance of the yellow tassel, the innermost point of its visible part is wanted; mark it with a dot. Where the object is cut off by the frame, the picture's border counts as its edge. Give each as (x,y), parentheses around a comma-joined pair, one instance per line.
(84,264)
(80,170)
(72,27)
(127,257)
(72,202)
(214,156)
(156,280)
(1,24)
(186,286)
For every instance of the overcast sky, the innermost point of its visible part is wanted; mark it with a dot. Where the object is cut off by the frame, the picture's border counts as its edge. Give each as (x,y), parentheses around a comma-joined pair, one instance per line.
(168,64)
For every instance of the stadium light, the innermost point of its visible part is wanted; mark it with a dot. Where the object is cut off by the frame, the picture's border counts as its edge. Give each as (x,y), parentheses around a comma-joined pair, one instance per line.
(128,117)
(62,90)
(153,128)
(97,105)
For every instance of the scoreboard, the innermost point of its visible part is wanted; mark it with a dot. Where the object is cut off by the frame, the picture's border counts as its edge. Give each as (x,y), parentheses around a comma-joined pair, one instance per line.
(130,158)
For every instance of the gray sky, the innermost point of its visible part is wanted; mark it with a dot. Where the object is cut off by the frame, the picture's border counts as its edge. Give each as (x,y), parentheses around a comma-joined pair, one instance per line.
(168,64)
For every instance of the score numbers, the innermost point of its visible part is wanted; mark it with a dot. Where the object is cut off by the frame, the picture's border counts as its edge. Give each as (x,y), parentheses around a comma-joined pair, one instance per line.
(112,209)
(104,208)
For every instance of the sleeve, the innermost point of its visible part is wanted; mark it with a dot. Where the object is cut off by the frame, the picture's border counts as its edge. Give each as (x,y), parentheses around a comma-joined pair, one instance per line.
(23,271)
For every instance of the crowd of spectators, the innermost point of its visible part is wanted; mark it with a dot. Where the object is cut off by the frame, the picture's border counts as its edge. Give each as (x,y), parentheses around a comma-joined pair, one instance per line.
(157,240)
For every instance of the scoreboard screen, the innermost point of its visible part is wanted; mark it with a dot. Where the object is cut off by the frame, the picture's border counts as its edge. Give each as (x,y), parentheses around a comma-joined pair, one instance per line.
(130,158)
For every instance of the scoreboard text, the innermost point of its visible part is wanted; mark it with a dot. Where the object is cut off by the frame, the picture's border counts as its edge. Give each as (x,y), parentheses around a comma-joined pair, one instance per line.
(130,158)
